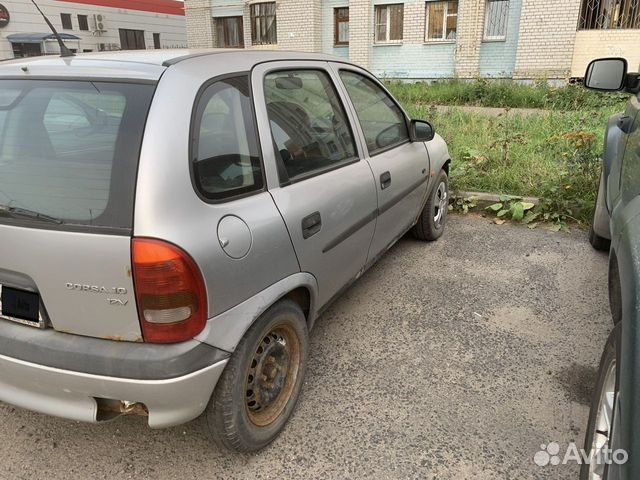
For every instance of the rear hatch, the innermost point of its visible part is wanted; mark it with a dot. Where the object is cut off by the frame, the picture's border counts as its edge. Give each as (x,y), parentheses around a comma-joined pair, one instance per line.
(68,161)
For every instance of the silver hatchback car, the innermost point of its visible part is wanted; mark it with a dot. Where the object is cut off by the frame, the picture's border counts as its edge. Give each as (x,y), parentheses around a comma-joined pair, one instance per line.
(172,224)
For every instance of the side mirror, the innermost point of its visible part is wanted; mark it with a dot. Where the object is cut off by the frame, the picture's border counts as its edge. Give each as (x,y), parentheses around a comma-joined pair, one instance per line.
(421,131)
(606,75)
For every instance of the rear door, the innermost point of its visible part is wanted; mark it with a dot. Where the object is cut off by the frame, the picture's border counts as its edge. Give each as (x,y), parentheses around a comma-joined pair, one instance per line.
(68,160)
(324,190)
(400,167)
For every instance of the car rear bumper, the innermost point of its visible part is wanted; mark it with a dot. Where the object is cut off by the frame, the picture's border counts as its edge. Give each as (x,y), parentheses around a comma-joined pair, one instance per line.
(73,395)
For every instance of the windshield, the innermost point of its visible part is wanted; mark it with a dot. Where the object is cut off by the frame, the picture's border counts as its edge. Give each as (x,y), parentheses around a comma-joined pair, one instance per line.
(69,149)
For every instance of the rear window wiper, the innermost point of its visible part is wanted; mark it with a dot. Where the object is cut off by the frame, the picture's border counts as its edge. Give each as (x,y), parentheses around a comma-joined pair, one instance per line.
(15,212)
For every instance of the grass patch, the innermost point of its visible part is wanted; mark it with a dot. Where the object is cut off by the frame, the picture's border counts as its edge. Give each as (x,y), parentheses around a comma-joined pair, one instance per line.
(553,155)
(503,94)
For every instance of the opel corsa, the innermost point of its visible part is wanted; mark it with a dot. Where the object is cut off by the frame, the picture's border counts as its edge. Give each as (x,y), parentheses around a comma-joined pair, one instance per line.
(173,223)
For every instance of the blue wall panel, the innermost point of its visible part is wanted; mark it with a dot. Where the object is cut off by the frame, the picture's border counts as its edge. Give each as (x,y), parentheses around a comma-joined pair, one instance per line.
(498,59)
(414,61)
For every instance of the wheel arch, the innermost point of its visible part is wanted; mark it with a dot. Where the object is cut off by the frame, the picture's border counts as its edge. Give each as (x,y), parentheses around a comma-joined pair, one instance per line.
(301,296)
(446,166)
(225,331)
(615,288)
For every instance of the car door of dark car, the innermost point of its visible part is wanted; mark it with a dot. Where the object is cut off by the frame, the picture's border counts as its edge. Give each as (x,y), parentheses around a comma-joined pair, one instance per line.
(400,167)
(628,178)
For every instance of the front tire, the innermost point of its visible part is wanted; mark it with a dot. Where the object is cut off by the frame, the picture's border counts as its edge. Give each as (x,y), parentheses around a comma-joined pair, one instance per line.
(603,410)
(433,218)
(260,385)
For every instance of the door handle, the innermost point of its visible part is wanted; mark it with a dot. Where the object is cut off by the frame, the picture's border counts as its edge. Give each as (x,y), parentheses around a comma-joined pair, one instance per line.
(311,225)
(385,180)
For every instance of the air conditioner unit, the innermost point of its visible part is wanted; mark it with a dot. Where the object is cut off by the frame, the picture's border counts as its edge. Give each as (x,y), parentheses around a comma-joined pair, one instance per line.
(99,22)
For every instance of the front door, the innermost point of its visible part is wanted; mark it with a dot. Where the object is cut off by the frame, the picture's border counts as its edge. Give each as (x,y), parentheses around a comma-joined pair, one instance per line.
(400,167)
(325,191)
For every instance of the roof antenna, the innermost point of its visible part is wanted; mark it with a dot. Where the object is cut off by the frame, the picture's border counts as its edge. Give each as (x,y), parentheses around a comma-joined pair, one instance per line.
(64,51)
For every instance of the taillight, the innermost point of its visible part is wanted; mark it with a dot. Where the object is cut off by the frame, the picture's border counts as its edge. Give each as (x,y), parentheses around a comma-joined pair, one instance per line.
(170,292)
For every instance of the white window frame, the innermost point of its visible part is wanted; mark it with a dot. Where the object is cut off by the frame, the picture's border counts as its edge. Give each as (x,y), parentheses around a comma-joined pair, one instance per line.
(495,38)
(445,19)
(386,41)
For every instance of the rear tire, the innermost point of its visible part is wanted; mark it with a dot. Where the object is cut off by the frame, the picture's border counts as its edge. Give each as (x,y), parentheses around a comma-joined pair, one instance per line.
(260,385)
(433,218)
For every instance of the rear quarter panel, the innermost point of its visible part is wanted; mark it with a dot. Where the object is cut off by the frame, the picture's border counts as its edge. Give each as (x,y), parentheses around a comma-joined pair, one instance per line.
(168,208)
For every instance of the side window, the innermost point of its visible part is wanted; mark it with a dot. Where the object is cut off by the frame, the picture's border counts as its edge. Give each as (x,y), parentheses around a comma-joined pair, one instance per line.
(226,158)
(310,128)
(383,123)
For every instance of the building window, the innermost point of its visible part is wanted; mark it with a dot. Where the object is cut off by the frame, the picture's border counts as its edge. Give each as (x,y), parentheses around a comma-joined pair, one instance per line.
(21,50)
(66,21)
(229,32)
(442,21)
(341,18)
(609,14)
(495,20)
(389,23)
(157,44)
(83,22)
(263,24)
(132,39)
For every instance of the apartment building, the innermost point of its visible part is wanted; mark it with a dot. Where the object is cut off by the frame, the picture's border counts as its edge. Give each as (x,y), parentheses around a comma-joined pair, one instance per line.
(90,25)
(430,39)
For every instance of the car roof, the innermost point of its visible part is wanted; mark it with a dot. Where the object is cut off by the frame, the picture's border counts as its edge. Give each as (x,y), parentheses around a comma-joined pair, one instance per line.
(143,65)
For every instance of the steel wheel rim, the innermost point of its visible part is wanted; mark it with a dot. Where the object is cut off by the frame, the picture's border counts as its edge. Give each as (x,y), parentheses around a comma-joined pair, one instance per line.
(272,375)
(442,203)
(603,428)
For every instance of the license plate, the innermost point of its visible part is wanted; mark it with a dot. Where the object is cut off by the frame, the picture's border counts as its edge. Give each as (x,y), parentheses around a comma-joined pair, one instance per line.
(20,306)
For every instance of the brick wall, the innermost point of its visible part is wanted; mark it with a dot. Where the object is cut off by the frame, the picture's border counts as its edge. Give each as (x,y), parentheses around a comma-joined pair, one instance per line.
(592,44)
(200,32)
(470,28)
(541,42)
(360,32)
(300,25)
(547,38)
(414,21)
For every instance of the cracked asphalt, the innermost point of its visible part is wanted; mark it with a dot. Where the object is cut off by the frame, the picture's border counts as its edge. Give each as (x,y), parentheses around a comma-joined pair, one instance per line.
(453,360)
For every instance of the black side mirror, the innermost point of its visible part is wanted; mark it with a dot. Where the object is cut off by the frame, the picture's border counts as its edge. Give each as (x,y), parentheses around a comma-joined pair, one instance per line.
(606,75)
(422,131)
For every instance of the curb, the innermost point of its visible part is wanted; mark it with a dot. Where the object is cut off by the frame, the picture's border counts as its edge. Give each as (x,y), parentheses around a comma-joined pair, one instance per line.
(486,199)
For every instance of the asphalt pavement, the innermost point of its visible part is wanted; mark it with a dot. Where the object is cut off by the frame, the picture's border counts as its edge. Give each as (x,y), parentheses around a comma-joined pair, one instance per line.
(452,360)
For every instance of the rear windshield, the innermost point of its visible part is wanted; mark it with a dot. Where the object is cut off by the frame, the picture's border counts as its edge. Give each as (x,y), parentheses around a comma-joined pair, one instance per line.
(69,151)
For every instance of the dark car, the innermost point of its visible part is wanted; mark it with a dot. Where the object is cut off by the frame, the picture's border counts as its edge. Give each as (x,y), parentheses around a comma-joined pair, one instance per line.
(614,421)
